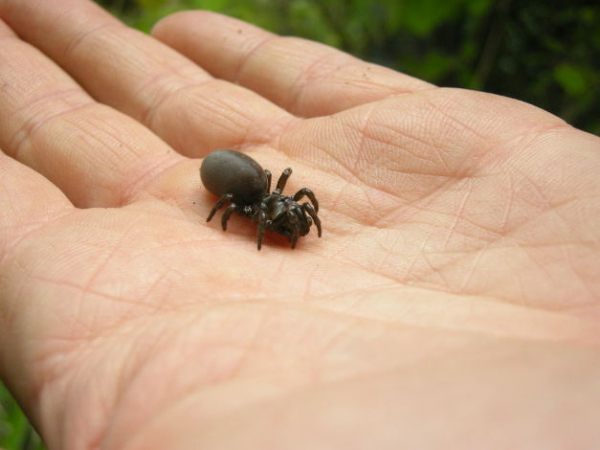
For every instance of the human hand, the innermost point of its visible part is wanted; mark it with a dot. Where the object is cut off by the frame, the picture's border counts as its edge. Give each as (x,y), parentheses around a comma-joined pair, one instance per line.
(451,303)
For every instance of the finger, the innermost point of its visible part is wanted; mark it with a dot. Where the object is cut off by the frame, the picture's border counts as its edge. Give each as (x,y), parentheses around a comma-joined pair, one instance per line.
(144,78)
(96,155)
(304,77)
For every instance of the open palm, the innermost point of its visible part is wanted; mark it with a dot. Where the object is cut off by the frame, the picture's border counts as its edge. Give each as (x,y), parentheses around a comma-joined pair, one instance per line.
(451,303)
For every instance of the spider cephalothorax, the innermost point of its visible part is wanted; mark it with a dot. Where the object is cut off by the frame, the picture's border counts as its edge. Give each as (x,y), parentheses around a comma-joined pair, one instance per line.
(238,179)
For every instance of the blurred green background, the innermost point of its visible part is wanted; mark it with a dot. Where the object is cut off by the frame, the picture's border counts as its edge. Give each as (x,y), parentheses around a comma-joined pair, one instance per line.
(545,52)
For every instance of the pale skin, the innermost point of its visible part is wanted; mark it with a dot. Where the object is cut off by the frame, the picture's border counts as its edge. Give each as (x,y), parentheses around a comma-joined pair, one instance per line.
(453,301)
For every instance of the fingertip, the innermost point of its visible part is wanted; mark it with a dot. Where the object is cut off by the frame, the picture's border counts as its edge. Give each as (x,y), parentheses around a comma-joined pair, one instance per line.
(161,27)
(169,27)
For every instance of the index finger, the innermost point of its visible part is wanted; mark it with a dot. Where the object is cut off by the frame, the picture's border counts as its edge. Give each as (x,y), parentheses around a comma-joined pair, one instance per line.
(304,77)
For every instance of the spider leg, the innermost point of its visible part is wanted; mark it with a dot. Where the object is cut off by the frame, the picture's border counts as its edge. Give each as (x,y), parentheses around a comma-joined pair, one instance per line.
(282,180)
(293,220)
(313,214)
(268,175)
(305,191)
(219,205)
(295,235)
(262,221)
(226,215)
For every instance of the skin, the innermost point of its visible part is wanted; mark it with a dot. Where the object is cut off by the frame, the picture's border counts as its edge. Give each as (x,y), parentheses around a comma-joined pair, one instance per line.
(453,301)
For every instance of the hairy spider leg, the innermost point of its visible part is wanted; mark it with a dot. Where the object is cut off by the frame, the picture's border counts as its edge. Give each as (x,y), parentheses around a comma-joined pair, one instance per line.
(262,222)
(313,214)
(268,175)
(226,198)
(282,180)
(311,196)
(227,214)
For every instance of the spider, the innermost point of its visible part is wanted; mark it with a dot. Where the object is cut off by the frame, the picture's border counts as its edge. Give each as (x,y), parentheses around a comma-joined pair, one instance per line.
(240,180)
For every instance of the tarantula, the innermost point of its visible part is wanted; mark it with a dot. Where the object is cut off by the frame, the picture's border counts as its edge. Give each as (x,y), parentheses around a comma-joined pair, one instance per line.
(238,179)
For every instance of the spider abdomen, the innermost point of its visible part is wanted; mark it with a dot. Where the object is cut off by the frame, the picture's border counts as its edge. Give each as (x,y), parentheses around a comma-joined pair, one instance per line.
(230,172)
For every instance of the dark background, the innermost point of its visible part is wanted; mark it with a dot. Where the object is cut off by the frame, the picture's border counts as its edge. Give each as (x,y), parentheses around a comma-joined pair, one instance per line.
(545,52)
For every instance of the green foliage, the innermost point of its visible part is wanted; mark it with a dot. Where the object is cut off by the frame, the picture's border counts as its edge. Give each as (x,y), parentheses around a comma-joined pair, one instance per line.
(422,17)
(573,79)
(15,431)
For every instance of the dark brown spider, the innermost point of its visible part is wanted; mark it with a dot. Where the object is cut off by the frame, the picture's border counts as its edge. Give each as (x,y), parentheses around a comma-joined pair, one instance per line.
(240,181)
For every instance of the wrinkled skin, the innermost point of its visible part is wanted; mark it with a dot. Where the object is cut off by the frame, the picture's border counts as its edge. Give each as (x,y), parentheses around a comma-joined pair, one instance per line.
(452,303)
